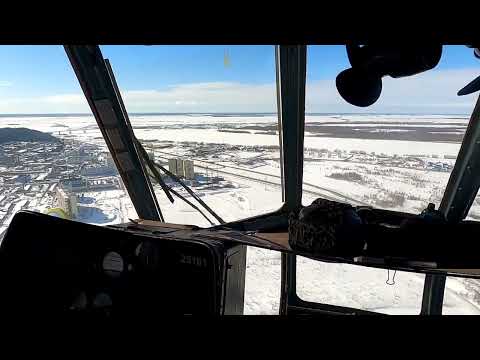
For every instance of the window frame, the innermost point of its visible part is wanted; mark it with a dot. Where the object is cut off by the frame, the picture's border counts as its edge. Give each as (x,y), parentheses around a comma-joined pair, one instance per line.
(291,63)
(458,196)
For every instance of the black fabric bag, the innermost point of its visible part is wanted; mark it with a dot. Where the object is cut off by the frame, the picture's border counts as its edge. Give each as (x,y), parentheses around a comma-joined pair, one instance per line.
(326,227)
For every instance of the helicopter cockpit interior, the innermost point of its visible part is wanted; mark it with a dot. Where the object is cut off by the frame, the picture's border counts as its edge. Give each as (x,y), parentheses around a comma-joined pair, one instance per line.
(148,266)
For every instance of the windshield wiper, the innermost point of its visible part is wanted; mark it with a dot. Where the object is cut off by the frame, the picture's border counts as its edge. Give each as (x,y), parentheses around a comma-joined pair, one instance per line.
(153,166)
(154,174)
(188,202)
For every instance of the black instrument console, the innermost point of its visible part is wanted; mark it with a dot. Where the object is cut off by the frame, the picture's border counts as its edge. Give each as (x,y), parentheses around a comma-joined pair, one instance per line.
(51,266)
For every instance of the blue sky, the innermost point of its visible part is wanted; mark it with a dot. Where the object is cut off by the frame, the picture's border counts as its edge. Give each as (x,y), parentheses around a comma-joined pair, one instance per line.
(39,79)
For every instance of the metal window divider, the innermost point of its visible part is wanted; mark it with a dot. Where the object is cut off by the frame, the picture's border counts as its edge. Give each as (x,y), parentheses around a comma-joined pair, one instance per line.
(291,82)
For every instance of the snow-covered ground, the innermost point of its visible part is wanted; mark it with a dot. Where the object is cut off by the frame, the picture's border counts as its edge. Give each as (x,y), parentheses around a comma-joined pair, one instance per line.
(391,172)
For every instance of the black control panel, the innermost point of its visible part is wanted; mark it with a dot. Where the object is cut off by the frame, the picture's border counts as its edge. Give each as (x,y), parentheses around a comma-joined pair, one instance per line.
(52,266)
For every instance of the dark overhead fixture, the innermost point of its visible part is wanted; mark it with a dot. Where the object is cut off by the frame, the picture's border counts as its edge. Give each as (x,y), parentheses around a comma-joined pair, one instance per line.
(361,85)
(474,85)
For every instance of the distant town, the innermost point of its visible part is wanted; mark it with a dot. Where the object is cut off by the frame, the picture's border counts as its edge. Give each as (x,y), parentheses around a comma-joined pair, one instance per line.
(52,175)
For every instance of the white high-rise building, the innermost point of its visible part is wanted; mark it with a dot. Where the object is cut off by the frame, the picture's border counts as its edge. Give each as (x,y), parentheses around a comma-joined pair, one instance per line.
(188,169)
(172,165)
(67,201)
(180,170)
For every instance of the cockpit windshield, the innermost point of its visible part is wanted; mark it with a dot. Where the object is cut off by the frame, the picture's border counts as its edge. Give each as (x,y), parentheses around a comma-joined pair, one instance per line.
(207,118)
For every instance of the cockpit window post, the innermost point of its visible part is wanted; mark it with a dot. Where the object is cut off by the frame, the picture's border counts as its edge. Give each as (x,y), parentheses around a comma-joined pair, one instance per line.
(433,292)
(291,81)
(459,195)
(96,83)
(464,180)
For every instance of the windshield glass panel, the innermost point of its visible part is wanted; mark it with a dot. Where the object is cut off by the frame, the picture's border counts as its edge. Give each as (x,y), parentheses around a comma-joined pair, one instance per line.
(208,114)
(359,287)
(462,296)
(396,154)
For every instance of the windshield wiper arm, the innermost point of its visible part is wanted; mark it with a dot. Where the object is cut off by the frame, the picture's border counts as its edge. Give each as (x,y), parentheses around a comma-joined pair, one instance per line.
(153,169)
(177,180)
(167,189)
(187,201)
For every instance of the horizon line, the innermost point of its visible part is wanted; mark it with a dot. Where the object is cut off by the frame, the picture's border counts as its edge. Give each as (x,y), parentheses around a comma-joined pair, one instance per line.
(232,113)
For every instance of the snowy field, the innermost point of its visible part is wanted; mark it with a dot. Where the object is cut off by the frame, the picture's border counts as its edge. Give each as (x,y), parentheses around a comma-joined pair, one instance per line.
(398,162)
